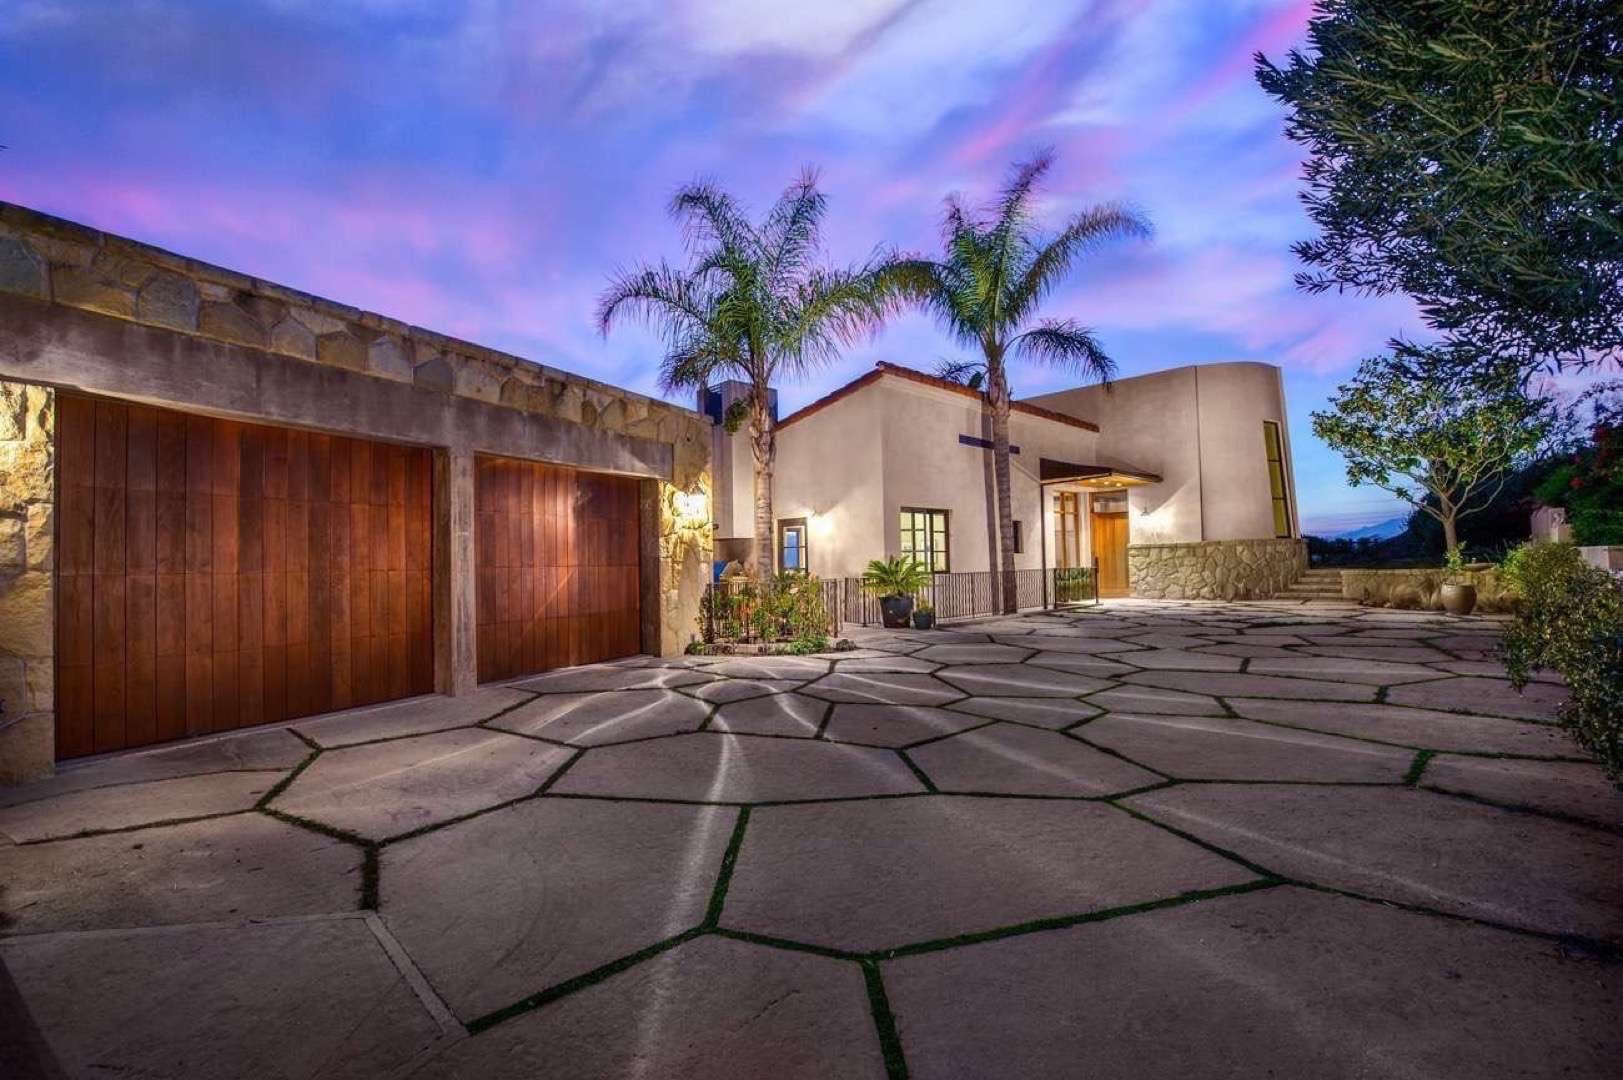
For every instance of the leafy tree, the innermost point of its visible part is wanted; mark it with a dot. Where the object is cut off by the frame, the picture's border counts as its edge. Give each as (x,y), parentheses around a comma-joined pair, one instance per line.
(986,291)
(1465,152)
(1437,426)
(753,304)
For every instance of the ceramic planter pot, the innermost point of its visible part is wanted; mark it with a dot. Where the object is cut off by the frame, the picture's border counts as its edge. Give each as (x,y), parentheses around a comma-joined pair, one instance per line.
(924,620)
(895,611)
(1459,599)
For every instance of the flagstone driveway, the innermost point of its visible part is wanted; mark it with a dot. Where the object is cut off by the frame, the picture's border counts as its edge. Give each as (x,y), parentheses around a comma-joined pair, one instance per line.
(1145,840)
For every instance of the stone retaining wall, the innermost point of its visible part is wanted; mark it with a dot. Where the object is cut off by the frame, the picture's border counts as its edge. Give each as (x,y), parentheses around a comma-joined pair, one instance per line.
(1422,589)
(1214,569)
(27,616)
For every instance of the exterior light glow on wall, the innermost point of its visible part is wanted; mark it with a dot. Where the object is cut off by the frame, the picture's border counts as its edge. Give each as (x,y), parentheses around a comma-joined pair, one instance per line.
(691,509)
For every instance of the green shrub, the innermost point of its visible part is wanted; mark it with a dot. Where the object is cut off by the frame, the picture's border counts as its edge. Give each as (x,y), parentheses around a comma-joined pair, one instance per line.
(788,608)
(1571,622)
(900,576)
(1072,584)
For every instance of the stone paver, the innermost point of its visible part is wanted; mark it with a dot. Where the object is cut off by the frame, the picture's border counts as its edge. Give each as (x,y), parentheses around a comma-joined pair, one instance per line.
(241,866)
(780,714)
(883,689)
(621,877)
(395,787)
(417,716)
(248,751)
(1022,680)
(130,805)
(565,886)
(1011,759)
(1239,684)
(613,677)
(895,725)
(737,768)
(974,654)
(154,1004)
(1414,847)
(1424,728)
(1359,670)
(1052,713)
(1573,788)
(741,689)
(1490,697)
(714,1008)
(1154,699)
(1281,982)
(596,719)
(876,875)
(1219,748)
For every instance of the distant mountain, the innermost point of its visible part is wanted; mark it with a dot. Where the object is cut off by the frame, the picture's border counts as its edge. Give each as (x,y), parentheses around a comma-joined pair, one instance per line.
(1381,530)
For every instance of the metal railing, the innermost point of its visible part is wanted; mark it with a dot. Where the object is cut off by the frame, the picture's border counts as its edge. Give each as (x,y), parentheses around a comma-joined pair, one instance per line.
(968,594)
(745,612)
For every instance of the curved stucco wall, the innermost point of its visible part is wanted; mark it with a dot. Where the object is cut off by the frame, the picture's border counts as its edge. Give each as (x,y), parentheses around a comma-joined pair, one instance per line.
(1200,429)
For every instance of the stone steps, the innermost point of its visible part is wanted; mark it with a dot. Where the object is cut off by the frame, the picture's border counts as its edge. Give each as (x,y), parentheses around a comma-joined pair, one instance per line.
(1316,585)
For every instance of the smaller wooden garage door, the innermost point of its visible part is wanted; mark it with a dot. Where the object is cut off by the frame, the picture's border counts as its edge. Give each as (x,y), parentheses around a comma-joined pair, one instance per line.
(214,575)
(557,551)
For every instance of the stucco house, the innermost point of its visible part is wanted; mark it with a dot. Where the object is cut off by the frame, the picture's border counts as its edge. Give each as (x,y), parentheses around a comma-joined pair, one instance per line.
(1178,483)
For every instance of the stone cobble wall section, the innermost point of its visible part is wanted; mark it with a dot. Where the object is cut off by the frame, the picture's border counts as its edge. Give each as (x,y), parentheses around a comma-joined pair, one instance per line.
(27,559)
(1215,569)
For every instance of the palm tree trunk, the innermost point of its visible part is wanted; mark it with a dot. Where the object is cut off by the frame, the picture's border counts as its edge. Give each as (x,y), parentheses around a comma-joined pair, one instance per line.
(764,446)
(1003,559)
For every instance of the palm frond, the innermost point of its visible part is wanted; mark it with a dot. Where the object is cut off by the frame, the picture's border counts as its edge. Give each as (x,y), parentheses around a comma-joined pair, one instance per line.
(710,216)
(659,296)
(970,373)
(832,309)
(1051,261)
(792,232)
(1068,344)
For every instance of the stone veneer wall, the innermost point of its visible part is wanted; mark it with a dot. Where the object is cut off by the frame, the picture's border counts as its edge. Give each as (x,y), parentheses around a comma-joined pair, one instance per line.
(1215,569)
(67,264)
(27,559)
(1421,589)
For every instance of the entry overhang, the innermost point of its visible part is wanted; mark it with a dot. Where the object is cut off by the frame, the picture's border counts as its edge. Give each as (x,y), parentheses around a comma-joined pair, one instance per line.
(1102,476)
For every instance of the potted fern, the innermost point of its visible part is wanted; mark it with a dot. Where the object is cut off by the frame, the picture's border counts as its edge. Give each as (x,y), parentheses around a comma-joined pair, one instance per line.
(1458,594)
(895,581)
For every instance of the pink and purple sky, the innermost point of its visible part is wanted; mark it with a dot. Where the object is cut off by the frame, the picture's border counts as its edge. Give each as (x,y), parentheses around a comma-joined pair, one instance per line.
(480,167)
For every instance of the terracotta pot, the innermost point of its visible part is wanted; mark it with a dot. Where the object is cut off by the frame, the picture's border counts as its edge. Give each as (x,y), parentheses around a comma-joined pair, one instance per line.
(1459,599)
(895,610)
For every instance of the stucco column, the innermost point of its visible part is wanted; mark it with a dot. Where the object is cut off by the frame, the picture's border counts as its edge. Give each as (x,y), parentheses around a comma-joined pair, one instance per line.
(456,617)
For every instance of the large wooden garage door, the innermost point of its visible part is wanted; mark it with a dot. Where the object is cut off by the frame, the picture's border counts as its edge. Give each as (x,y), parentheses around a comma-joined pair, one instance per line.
(213,575)
(557,551)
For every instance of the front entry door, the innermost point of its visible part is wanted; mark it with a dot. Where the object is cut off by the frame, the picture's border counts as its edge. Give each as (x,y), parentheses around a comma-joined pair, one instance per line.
(1108,513)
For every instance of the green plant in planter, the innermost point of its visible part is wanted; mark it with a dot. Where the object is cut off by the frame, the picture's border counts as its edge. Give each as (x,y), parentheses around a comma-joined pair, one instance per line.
(895,581)
(900,576)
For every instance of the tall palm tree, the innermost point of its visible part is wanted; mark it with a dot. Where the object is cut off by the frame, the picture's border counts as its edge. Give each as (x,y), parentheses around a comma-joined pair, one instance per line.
(986,291)
(753,304)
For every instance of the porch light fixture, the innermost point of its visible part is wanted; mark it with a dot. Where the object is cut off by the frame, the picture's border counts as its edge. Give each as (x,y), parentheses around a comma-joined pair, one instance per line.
(690,509)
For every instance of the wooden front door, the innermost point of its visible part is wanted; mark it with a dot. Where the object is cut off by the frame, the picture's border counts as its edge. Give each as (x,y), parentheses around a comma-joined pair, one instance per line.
(558,556)
(213,574)
(1109,533)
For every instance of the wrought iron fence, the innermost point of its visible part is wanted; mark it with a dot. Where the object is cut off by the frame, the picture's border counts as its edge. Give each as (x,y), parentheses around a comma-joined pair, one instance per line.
(967,594)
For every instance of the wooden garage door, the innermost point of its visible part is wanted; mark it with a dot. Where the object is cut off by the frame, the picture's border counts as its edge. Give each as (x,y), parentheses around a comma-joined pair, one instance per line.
(213,574)
(557,551)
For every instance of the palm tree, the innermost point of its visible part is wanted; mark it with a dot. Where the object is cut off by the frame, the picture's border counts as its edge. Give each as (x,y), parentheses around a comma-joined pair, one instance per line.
(753,304)
(986,292)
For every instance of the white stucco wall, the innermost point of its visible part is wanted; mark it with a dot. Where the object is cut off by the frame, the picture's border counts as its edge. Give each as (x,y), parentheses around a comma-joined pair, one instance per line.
(830,472)
(1200,429)
(849,469)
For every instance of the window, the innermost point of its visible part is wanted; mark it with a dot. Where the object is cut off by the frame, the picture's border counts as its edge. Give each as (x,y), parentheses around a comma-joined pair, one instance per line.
(1019,538)
(1068,528)
(1276,478)
(924,537)
(792,546)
